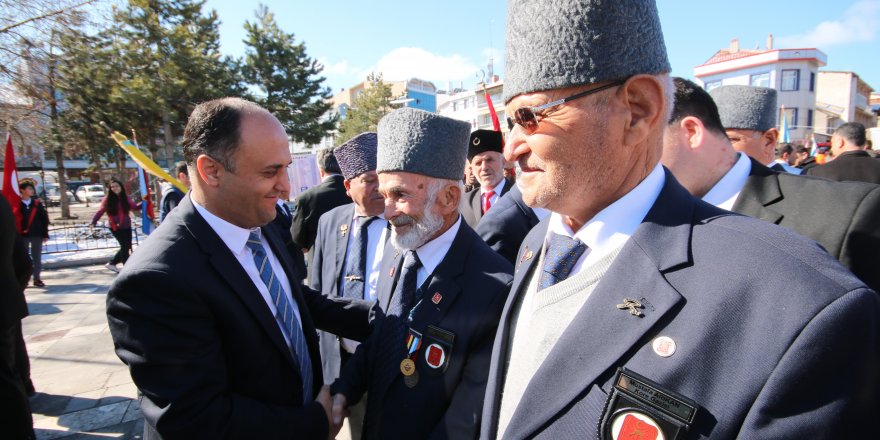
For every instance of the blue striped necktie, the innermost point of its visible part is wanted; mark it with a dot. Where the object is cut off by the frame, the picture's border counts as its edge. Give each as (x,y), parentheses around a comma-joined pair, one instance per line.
(284,314)
(562,253)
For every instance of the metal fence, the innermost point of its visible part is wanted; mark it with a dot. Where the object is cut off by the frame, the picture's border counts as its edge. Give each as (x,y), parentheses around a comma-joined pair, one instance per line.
(83,237)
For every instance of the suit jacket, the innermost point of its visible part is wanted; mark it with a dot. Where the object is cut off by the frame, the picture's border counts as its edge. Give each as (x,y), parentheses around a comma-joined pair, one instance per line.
(311,204)
(203,347)
(471,204)
(849,166)
(841,216)
(774,337)
(39,227)
(14,268)
(505,226)
(464,297)
(283,221)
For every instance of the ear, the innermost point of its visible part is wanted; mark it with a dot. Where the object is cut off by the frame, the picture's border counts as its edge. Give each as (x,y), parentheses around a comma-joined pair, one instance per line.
(448,199)
(209,170)
(693,130)
(644,99)
(347,184)
(770,137)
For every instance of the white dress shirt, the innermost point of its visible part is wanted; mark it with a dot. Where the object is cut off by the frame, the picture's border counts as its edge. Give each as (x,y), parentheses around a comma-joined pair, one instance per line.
(433,252)
(612,226)
(235,239)
(495,195)
(377,232)
(725,192)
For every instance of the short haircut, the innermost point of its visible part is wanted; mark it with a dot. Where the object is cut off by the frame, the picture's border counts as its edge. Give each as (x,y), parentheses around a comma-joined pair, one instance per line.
(852,132)
(26,183)
(327,161)
(803,149)
(180,167)
(213,129)
(692,100)
(782,149)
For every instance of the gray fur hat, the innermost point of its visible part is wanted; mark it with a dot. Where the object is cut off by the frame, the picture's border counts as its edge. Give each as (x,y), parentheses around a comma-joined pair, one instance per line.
(746,107)
(357,155)
(553,44)
(416,141)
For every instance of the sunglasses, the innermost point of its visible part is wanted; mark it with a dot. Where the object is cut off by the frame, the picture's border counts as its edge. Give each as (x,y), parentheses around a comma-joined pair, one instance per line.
(528,117)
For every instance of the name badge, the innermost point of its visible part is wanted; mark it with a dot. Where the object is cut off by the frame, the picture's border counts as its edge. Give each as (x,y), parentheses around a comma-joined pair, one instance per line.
(640,408)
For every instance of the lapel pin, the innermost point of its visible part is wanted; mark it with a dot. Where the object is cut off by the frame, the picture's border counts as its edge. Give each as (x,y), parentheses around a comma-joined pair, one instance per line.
(664,346)
(436,298)
(631,305)
(343,229)
(391,274)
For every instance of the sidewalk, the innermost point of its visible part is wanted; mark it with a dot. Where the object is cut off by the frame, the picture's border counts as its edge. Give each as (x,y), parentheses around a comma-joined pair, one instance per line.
(83,390)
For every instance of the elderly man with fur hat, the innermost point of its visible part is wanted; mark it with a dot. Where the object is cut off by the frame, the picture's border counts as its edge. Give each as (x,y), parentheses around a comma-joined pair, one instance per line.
(423,368)
(637,308)
(487,166)
(748,115)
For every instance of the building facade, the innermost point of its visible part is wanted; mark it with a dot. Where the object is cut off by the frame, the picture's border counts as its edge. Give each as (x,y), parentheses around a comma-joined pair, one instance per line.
(842,97)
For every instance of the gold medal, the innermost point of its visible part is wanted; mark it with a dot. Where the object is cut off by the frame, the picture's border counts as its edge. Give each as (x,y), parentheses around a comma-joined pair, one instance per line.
(412,380)
(408,367)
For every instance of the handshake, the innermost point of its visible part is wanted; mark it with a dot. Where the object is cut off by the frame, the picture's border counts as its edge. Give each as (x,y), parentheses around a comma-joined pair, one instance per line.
(336,409)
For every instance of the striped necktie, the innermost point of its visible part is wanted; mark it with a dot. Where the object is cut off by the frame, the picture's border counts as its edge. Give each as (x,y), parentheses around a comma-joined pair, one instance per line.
(284,314)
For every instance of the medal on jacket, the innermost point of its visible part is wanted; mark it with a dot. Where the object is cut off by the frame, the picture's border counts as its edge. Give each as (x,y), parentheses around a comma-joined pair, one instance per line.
(408,365)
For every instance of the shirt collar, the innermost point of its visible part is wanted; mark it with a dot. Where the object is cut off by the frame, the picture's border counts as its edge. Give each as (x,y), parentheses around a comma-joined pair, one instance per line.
(234,236)
(497,190)
(731,184)
(355,215)
(613,226)
(432,252)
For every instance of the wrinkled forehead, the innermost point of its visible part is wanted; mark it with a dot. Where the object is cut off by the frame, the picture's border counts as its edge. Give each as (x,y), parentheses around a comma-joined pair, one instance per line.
(390,181)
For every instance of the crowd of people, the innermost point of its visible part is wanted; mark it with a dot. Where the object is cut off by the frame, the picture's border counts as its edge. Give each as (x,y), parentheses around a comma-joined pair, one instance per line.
(657,266)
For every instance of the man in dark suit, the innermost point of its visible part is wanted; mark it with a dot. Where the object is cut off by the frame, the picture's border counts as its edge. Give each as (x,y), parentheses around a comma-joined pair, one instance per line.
(851,161)
(507,224)
(15,417)
(840,216)
(312,203)
(487,165)
(748,114)
(219,337)
(424,366)
(636,309)
(283,221)
(349,249)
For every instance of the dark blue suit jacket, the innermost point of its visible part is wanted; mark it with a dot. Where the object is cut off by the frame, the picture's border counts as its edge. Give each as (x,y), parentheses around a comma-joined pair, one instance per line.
(471,204)
(505,226)
(202,345)
(775,339)
(472,282)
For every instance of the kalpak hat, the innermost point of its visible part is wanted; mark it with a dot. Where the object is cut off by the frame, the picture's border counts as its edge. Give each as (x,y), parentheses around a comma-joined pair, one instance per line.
(357,155)
(746,107)
(419,142)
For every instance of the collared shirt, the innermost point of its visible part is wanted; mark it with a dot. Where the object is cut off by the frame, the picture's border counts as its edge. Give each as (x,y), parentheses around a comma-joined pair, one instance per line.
(612,226)
(26,202)
(495,195)
(433,252)
(377,234)
(725,192)
(235,239)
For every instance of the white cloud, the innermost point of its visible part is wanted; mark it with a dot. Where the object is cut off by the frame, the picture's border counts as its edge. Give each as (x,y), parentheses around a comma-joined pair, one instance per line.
(413,62)
(859,23)
(338,68)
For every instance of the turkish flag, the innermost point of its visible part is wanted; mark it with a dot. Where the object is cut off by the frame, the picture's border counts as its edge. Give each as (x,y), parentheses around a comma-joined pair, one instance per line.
(10,181)
(635,428)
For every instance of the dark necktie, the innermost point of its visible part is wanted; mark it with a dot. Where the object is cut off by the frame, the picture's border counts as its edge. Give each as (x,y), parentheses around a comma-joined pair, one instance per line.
(562,253)
(284,314)
(392,349)
(356,263)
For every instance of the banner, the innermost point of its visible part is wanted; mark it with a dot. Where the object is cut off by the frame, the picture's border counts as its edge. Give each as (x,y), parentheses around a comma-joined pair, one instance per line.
(10,181)
(147,216)
(144,162)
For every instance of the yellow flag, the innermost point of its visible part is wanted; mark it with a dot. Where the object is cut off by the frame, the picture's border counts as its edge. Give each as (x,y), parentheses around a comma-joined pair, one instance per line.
(141,159)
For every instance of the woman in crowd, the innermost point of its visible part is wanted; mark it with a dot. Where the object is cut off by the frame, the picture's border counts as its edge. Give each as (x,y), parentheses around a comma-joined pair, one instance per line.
(117,205)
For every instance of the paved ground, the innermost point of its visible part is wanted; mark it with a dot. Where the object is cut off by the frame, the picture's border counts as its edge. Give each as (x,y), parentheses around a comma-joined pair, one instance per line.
(83,390)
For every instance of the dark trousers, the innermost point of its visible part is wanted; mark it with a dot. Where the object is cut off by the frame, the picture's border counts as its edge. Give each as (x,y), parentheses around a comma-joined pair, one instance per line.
(123,236)
(16,421)
(34,245)
(23,361)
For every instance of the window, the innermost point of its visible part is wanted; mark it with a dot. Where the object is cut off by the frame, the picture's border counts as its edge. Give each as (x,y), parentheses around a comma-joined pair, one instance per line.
(760,80)
(812,81)
(712,85)
(790,115)
(809,118)
(790,80)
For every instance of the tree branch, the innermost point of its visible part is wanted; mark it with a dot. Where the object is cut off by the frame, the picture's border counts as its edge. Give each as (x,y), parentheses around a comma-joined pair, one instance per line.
(44,16)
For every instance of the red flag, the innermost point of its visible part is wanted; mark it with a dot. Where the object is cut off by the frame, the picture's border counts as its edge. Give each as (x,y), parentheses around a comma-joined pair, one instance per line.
(10,180)
(496,125)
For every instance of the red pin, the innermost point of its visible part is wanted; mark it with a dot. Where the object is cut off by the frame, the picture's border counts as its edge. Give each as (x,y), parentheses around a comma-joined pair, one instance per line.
(436,298)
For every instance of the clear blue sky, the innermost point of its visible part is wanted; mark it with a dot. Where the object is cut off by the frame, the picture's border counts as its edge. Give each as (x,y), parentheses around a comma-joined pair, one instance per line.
(451,41)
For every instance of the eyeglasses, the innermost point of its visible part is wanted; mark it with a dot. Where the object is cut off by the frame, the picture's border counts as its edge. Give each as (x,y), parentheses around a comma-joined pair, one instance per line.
(527,117)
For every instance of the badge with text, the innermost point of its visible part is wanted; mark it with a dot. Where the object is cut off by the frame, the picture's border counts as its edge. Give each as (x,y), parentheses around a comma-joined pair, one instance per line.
(408,365)
(438,349)
(638,408)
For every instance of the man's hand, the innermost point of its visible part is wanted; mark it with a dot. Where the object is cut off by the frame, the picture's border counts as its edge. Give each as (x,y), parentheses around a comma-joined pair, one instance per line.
(324,399)
(340,411)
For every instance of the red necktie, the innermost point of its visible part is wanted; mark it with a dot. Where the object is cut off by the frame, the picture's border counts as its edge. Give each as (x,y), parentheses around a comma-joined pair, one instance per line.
(488,203)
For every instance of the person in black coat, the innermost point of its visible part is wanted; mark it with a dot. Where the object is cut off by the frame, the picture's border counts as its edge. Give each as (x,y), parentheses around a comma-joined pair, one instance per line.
(505,226)
(487,166)
(851,161)
(15,417)
(34,226)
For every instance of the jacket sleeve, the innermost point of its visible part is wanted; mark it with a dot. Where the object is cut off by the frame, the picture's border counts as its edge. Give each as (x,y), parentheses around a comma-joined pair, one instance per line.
(346,317)
(101,210)
(354,377)
(44,221)
(167,336)
(299,226)
(859,251)
(315,270)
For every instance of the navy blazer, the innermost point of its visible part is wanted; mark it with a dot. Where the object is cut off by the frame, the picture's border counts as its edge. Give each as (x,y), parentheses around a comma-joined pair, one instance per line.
(775,339)
(464,297)
(505,226)
(471,204)
(841,216)
(202,345)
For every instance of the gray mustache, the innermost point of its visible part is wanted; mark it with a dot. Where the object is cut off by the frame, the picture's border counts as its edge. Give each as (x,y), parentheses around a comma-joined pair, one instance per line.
(401,220)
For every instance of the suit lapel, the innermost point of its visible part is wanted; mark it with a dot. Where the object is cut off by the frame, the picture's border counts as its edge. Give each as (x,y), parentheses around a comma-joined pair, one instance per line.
(476,205)
(602,333)
(390,271)
(759,192)
(342,231)
(442,289)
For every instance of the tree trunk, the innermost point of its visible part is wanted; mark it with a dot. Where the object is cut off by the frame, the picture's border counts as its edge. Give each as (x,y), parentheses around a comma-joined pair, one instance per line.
(62,182)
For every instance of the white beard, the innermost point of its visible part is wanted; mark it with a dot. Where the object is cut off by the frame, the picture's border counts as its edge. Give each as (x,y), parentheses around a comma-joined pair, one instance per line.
(419,233)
